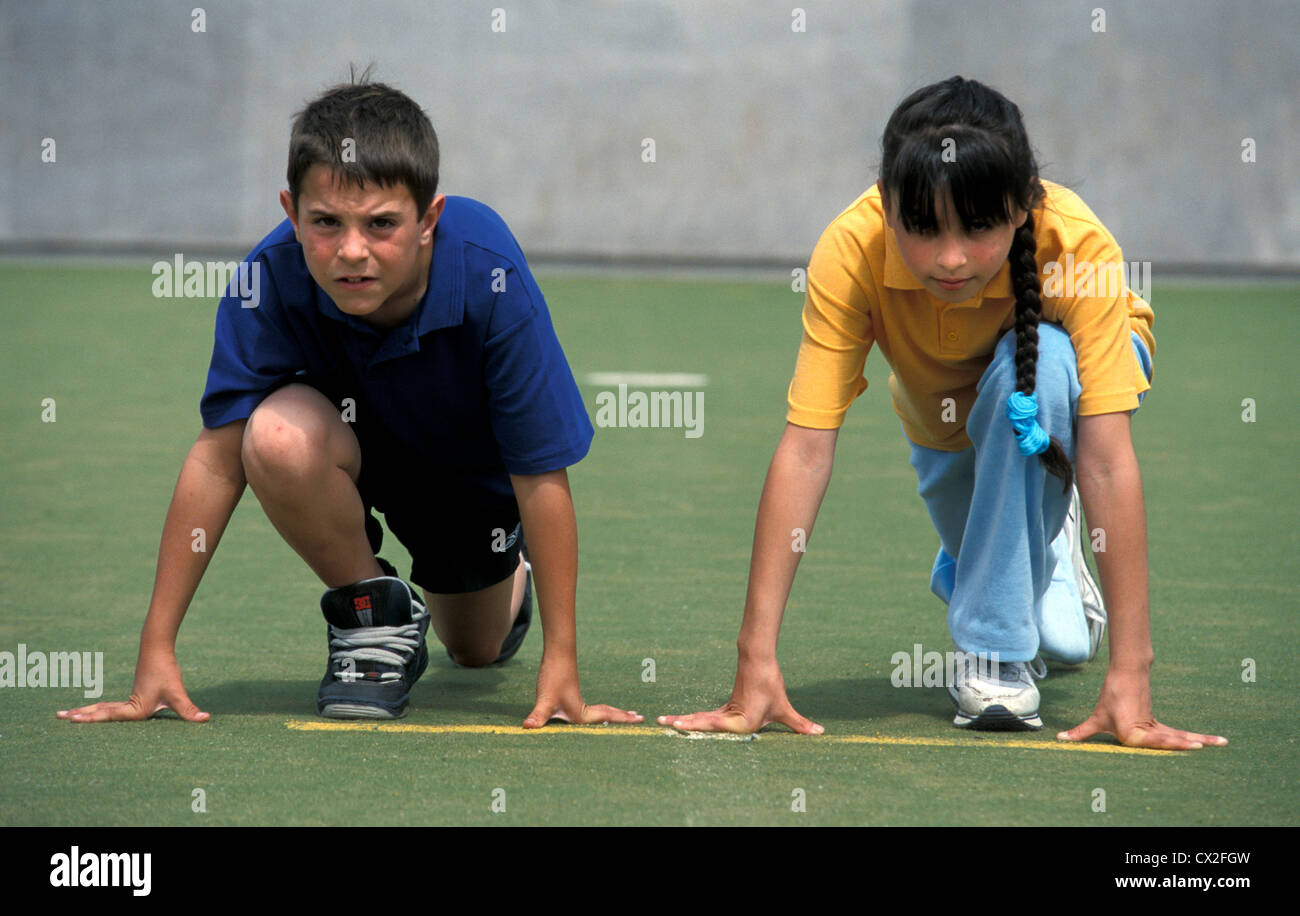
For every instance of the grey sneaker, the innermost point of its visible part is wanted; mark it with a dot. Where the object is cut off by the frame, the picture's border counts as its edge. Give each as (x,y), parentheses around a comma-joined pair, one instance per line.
(996,696)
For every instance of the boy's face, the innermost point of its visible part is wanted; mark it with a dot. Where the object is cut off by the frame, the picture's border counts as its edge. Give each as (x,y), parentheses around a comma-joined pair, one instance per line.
(366,247)
(954,264)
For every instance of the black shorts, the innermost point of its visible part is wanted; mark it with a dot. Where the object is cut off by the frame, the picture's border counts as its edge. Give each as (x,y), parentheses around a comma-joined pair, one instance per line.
(461,529)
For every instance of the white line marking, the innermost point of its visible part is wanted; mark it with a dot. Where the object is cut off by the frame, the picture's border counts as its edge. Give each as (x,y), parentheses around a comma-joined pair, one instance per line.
(648,379)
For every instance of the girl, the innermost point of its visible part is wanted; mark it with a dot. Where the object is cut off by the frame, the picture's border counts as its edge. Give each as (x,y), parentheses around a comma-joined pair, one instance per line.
(938,264)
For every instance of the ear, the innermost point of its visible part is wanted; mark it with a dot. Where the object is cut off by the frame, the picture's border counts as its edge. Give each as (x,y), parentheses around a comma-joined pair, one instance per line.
(286,201)
(430,219)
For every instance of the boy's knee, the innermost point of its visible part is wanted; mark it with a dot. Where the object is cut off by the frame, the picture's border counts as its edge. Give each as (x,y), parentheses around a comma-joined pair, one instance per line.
(474,656)
(271,446)
(281,440)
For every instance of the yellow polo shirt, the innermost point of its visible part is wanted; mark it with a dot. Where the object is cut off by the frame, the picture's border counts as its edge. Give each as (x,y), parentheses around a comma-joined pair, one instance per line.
(860,293)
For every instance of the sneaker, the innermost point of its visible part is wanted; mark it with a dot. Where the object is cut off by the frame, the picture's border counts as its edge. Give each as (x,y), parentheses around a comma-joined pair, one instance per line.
(996,696)
(1094,610)
(376,649)
(515,638)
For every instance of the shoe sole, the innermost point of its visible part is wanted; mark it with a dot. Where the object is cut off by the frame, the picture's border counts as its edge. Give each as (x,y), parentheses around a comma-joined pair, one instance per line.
(996,718)
(1094,608)
(519,629)
(359,711)
(1091,595)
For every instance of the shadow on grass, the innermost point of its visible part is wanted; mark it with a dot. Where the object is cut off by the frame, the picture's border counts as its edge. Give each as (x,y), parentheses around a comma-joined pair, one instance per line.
(441,688)
(875,698)
(878,700)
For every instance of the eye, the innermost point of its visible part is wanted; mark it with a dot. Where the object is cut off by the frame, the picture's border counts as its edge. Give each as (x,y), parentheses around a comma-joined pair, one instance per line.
(382,222)
(325,221)
(980,226)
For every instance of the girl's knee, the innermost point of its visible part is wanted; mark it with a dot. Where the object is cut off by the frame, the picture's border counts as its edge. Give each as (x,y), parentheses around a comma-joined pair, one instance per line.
(1055,366)
(1058,366)
(999,379)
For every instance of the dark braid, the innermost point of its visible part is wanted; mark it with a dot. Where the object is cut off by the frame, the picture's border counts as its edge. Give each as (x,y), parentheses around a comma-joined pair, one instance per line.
(991,180)
(1029,309)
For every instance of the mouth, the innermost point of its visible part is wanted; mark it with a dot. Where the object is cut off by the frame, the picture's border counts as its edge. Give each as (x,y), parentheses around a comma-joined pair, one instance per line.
(952,284)
(354,283)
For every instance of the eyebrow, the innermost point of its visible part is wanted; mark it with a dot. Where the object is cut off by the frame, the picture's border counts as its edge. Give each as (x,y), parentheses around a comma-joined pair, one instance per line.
(319,210)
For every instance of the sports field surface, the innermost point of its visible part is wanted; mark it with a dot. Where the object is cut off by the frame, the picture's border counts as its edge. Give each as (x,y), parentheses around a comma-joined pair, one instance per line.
(665,523)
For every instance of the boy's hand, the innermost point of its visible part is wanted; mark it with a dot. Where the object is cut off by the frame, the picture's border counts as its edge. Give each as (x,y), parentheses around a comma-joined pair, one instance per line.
(1124,710)
(157,686)
(757,700)
(558,697)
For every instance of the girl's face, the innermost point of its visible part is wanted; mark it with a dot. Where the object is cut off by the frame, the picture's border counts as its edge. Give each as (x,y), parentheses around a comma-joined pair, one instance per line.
(954,264)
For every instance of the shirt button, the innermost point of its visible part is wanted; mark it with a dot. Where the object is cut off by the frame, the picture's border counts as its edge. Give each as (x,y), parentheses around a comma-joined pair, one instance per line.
(952,335)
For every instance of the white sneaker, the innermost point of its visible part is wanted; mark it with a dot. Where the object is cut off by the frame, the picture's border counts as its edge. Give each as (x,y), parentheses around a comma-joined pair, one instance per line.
(1093,607)
(996,696)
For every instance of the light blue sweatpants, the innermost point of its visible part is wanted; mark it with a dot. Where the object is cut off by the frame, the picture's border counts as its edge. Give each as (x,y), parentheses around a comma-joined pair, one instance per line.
(1004,567)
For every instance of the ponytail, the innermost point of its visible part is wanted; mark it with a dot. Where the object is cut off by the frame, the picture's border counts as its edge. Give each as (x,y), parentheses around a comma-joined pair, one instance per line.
(1022,406)
(993,180)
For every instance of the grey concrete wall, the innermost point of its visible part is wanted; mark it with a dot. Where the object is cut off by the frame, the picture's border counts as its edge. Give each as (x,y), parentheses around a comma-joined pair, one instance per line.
(167,138)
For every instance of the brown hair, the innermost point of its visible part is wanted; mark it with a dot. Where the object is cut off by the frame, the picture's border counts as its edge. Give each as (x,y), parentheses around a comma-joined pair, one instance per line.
(392,140)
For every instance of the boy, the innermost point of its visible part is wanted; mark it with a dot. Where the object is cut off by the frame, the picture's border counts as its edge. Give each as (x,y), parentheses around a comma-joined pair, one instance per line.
(399,357)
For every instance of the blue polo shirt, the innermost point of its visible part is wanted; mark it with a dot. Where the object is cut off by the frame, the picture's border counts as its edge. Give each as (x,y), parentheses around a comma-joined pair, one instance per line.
(474,382)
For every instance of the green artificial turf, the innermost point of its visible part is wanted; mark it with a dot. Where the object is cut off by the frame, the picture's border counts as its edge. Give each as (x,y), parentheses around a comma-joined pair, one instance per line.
(665,525)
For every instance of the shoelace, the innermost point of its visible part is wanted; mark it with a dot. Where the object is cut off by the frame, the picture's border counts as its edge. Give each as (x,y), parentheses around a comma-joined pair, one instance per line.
(385,645)
(1008,672)
(1021,672)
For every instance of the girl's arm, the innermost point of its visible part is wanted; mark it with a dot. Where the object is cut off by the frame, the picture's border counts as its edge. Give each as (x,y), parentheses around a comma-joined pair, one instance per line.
(792,495)
(1110,487)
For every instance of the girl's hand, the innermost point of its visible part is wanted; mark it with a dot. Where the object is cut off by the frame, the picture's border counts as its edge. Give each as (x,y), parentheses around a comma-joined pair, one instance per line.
(157,686)
(1124,710)
(757,700)
(558,697)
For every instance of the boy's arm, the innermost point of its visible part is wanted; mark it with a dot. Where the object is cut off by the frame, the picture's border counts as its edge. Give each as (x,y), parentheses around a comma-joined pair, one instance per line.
(210,485)
(1110,487)
(792,496)
(551,531)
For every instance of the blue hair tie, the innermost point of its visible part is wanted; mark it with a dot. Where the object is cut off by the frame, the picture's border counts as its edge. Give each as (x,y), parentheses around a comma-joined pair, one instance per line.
(1021,411)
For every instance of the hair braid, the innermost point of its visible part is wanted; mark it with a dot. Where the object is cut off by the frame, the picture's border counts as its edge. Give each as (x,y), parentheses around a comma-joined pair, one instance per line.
(1029,308)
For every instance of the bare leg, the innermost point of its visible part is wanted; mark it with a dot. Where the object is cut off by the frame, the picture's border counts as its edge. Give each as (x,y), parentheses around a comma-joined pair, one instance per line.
(473,625)
(303,462)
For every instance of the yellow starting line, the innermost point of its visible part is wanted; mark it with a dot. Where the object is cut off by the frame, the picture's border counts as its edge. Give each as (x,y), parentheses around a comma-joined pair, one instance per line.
(659,731)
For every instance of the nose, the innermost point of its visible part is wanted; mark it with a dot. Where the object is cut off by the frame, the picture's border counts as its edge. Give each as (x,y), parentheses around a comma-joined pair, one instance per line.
(951,256)
(352,246)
